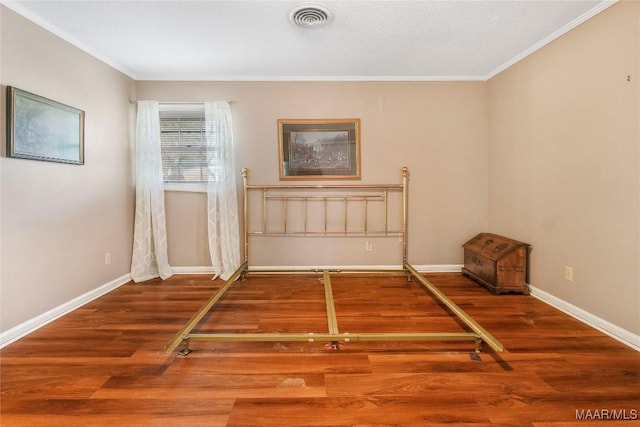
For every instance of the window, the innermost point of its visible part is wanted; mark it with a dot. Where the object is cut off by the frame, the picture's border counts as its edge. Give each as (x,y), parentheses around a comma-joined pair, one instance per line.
(183,143)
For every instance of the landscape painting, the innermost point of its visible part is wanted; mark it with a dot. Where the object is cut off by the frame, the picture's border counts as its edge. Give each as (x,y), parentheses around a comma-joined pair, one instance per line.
(41,129)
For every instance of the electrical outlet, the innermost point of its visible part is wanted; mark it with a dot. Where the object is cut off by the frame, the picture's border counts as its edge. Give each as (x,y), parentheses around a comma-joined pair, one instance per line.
(107,258)
(368,246)
(568,273)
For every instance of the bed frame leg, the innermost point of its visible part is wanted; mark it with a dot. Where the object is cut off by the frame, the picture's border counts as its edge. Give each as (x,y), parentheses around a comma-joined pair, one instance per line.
(186,350)
(478,345)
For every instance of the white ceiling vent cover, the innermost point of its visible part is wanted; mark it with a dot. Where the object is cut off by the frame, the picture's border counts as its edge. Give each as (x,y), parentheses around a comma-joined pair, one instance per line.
(310,15)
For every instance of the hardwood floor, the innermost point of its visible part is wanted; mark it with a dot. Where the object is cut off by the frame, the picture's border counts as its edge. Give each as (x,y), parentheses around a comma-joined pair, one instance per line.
(103,364)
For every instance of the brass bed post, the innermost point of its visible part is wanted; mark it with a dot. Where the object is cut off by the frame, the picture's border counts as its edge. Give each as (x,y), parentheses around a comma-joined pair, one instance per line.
(405,216)
(245,220)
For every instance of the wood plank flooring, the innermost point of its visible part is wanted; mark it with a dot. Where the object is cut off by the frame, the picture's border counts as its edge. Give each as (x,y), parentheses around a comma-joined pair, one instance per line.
(103,364)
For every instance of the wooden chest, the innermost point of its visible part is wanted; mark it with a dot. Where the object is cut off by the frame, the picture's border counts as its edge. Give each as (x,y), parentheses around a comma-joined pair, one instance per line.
(499,263)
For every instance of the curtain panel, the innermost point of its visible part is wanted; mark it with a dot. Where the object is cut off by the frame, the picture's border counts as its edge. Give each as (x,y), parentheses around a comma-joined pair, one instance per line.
(222,201)
(149,259)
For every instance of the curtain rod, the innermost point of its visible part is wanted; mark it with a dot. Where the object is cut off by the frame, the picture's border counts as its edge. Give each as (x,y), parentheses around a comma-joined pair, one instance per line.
(133,101)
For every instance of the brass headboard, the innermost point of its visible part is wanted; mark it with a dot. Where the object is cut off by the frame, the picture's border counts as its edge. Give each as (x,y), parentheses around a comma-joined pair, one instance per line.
(326,210)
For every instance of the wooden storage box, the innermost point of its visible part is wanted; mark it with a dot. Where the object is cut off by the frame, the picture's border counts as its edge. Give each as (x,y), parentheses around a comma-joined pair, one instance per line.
(498,263)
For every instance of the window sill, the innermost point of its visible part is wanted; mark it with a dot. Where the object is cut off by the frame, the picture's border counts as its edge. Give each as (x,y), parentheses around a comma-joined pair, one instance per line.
(196,187)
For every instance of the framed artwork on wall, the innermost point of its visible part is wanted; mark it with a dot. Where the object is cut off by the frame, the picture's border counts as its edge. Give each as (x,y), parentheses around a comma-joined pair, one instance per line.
(319,149)
(41,129)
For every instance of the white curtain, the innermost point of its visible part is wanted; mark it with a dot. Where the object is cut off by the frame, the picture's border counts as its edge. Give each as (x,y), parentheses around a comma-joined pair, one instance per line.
(149,258)
(222,201)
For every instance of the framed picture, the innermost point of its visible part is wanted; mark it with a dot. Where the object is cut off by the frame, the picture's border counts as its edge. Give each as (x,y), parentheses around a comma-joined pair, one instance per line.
(41,129)
(319,149)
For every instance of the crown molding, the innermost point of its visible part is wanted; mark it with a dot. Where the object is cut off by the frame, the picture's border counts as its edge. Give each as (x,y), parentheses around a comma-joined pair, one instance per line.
(27,14)
(551,37)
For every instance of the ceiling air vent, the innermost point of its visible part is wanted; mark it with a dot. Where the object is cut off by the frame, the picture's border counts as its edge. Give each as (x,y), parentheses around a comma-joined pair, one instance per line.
(310,16)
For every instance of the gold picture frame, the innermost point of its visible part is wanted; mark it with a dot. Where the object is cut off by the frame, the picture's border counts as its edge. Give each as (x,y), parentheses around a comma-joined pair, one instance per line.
(319,149)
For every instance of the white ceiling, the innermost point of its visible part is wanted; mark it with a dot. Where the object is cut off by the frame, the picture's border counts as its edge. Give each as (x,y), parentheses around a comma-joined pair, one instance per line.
(254,40)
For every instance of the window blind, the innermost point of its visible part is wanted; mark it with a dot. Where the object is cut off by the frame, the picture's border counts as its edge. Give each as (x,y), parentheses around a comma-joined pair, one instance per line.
(183,143)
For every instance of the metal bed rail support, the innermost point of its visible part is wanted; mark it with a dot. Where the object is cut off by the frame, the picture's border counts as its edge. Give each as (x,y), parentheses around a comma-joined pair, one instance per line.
(332,320)
(479,330)
(342,336)
(183,334)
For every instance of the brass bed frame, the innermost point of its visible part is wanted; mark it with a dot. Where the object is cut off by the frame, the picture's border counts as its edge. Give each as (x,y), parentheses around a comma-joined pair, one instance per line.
(346,195)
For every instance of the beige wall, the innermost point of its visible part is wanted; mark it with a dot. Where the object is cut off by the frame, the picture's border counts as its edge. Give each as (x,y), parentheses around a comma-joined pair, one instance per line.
(546,152)
(59,220)
(438,130)
(564,163)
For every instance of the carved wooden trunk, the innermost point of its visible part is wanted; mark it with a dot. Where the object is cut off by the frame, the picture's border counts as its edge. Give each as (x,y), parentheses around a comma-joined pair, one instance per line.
(497,262)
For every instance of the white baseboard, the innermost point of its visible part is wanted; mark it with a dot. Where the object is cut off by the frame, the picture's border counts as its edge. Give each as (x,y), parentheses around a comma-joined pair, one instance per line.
(439,268)
(37,322)
(624,336)
(427,268)
(192,270)
(303,268)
